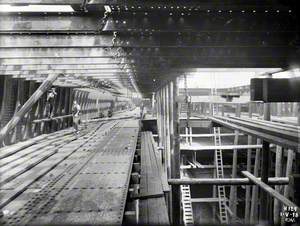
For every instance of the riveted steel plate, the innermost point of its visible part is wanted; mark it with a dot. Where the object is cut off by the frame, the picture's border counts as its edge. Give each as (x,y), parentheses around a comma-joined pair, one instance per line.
(88,187)
(80,218)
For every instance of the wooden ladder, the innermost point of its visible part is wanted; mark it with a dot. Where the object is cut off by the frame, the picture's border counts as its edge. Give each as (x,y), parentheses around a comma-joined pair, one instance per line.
(188,217)
(220,174)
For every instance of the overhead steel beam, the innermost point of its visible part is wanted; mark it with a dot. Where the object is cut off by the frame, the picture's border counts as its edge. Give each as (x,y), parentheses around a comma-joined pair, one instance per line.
(13,68)
(174,61)
(140,5)
(229,38)
(209,51)
(195,70)
(63,40)
(55,52)
(148,3)
(284,21)
(59,61)
(40,2)
(77,71)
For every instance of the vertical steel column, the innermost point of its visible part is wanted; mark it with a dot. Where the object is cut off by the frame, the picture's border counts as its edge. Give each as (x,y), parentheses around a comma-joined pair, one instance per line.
(175,162)
(298,113)
(27,106)
(17,130)
(171,124)
(30,113)
(158,117)
(164,126)
(153,104)
(66,106)
(59,111)
(73,96)
(168,128)
(36,112)
(85,104)
(166,117)
(8,104)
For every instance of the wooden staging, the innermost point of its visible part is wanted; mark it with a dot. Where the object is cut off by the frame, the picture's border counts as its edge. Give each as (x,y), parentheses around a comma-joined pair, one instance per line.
(153,208)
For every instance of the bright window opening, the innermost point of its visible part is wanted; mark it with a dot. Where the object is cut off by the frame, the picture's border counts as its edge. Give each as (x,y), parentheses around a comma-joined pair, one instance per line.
(36,8)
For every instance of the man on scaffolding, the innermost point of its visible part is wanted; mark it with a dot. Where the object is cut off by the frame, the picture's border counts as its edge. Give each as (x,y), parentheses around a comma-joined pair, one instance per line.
(50,102)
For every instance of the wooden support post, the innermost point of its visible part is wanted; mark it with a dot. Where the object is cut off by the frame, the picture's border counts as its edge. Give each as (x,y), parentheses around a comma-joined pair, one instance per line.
(288,172)
(249,157)
(223,110)
(270,190)
(264,200)
(175,163)
(233,195)
(278,172)
(279,109)
(254,198)
(238,110)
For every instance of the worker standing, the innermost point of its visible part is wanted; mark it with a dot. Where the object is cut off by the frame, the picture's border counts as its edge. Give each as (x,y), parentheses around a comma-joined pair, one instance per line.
(76,118)
(50,101)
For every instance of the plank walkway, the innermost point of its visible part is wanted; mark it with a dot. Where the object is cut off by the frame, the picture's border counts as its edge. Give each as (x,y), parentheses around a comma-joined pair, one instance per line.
(153,209)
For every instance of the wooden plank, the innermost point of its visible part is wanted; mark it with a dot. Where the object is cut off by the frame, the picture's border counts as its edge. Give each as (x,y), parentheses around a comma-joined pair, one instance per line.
(163,175)
(153,209)
(264,126)
(7,151)
(223,147)
(265,134)
(204,200)
(275,125)
(210,135)
(225,181)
